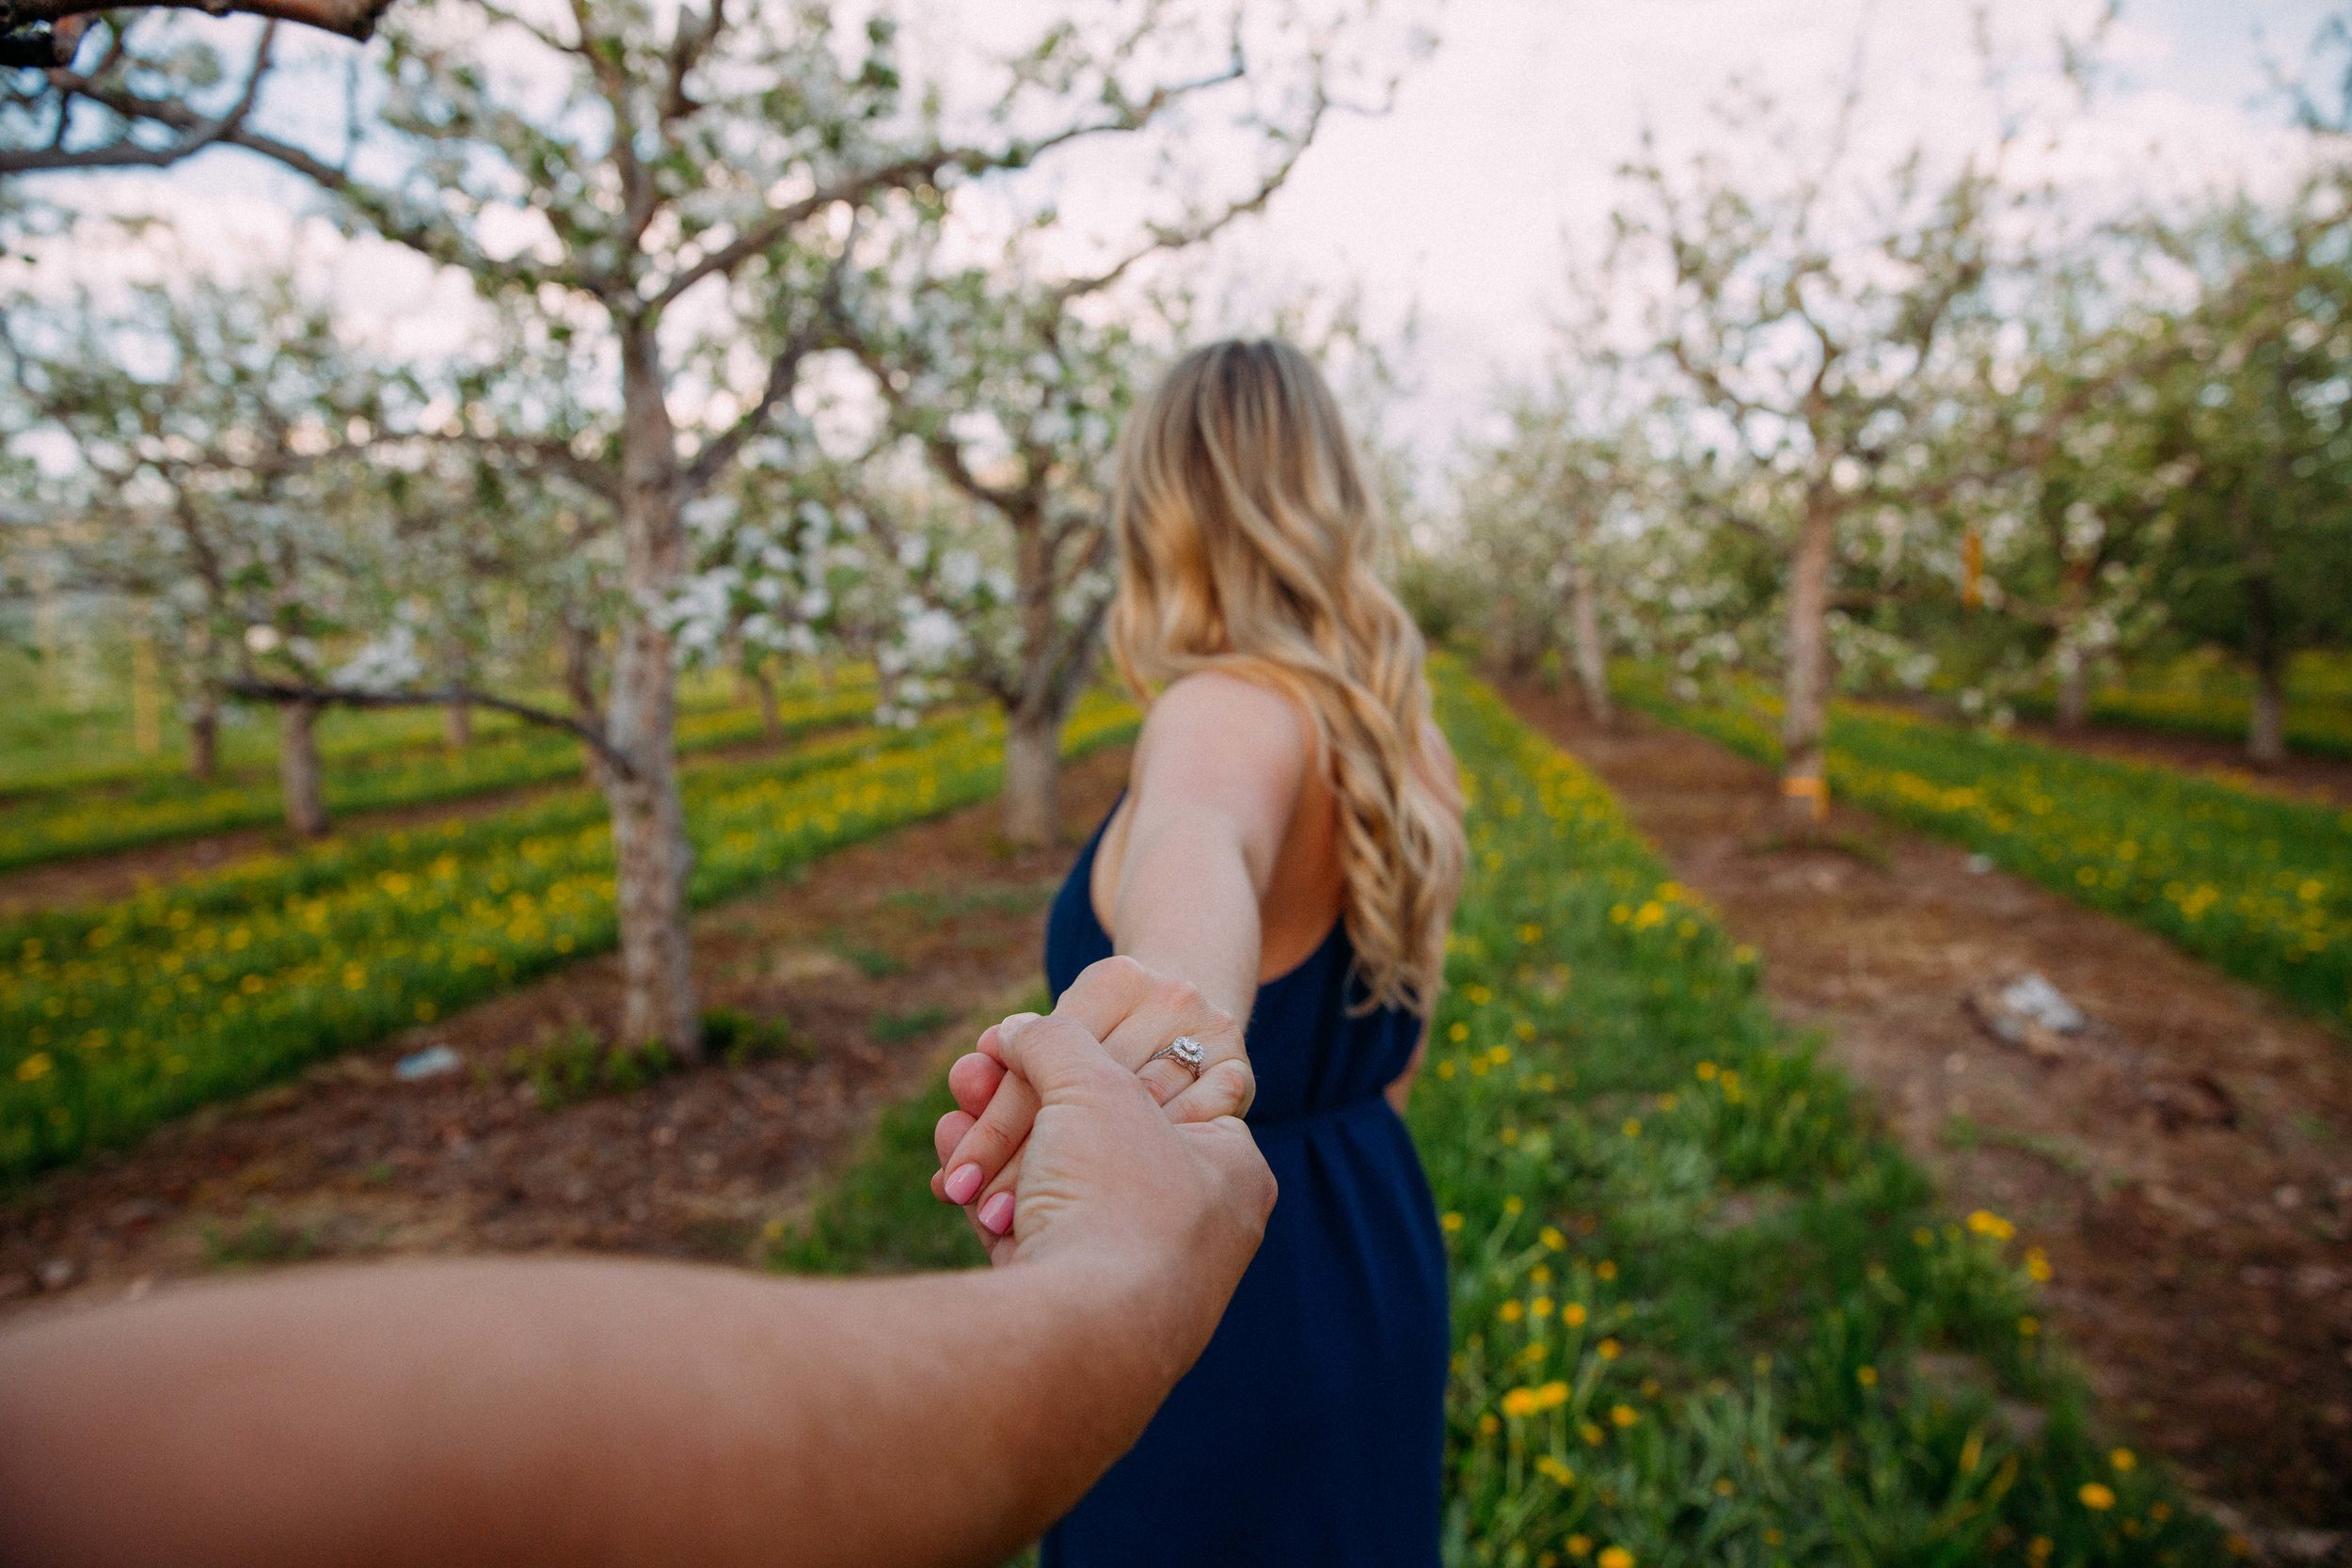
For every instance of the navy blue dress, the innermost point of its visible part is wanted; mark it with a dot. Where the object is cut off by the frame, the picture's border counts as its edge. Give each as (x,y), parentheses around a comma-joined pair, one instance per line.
(1313,1428)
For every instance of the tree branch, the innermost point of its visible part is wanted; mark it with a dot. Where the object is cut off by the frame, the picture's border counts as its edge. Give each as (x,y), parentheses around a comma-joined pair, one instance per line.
(256,690)
(195,135)
(351,19)
(783,373)
(928,165)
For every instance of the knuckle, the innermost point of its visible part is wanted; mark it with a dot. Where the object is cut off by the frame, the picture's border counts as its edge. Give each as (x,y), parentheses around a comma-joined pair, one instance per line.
(1121,969)
(1177,996)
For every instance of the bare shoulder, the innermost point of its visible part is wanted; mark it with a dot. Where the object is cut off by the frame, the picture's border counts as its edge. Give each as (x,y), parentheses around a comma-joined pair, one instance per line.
(1214,708)
(1212,727)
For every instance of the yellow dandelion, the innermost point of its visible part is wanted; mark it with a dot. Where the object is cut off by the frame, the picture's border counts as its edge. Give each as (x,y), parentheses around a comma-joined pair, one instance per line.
(1866,1376)
(1487,1424)
(2096,1496)
(1615,1557)
(1580,1546)
(1511,1311)
(34,1068)
(1552,1237)
(1591,1433)
(1605,1269)
(2038,1265)
(1632,1127)
(1452,1222)
(1520,1403)
(1706,1071)
(1552,1394)
(1513,1204)
(1573,1314)
(1610,1350)
(2028,1325)
(1986,1222)
(1540,1274)
(2123,1460)
(1623,1415)
(1556,1472)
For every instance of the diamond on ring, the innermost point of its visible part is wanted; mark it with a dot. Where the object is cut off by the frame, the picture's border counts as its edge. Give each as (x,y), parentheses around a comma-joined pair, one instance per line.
(1188,1051)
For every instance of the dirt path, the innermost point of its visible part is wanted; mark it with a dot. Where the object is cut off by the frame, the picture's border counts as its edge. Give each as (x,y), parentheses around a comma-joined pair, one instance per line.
(877,959)
(2186,1163)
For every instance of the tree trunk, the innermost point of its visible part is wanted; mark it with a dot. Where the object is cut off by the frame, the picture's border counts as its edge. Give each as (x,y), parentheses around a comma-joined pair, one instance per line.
(2266,734)
(457,718)
(2074,668)
(2073,694)
(764,691)
(1032,775)
(1804,720)
(1033,724)
(204,735)
(652,857)
(203,705)
(147,696)
(1592,656)
(298,770)
(2267,727)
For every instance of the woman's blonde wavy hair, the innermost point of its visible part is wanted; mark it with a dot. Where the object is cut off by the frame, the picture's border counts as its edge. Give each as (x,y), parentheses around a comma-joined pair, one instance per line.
(1245,535)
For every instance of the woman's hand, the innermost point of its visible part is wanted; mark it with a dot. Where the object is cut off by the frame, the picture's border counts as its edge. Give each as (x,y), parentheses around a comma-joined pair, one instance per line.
(1135,1013)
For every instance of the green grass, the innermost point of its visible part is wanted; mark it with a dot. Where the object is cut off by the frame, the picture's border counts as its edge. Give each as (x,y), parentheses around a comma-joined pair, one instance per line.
(2257,885)
(92,818)
(2213,699)
(1705,1313)
(117,1016)
(898,1028)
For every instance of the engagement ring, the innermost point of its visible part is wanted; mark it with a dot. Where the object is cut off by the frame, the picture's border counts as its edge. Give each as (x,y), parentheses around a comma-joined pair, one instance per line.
(1184,1049)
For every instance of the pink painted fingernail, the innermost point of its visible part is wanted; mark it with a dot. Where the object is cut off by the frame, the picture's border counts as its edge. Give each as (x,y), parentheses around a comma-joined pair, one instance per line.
(996,1213)
(962,1182)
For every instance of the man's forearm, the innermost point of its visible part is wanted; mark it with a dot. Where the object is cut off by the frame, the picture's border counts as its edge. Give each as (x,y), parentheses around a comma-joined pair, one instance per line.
(576,1412)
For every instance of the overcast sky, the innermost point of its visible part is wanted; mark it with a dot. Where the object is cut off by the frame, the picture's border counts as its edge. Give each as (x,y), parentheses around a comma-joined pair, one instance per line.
(1456,203)
(1508,137)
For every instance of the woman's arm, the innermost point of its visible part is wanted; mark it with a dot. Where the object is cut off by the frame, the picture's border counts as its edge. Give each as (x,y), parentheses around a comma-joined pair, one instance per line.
(1216,779)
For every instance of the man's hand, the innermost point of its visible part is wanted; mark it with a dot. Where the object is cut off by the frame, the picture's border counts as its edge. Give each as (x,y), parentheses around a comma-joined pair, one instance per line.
(1133,1013)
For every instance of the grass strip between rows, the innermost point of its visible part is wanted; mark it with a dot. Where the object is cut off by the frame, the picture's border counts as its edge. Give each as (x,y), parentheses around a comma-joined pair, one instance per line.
(115,1017)
(1703,1312)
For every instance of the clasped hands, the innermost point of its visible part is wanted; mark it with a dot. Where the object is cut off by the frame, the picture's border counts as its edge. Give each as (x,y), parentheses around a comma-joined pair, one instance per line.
(984,1144)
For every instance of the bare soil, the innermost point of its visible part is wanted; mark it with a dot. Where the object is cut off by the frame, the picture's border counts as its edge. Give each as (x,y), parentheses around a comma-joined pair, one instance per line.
(2186,1161)
(879,959)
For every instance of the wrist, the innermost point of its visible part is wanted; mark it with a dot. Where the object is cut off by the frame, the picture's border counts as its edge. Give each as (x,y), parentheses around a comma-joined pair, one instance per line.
(1136,1307)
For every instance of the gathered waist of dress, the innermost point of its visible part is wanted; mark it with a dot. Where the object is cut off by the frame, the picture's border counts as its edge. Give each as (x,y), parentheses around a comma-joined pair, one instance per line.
(1261,1119)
